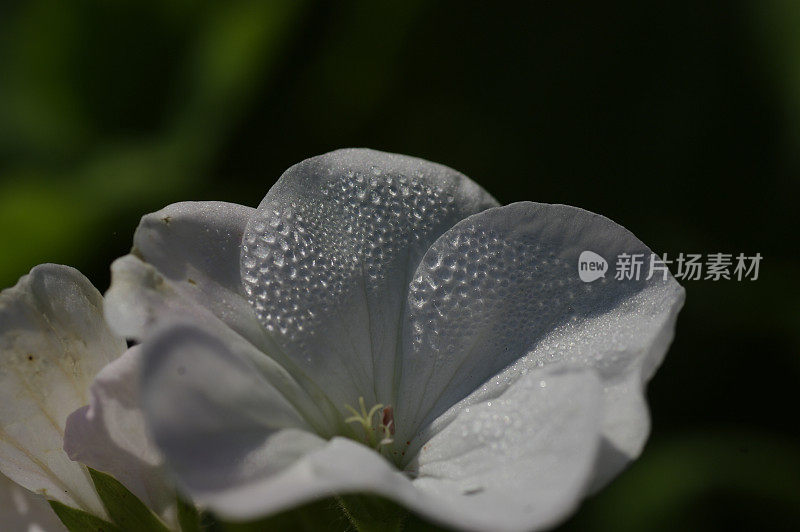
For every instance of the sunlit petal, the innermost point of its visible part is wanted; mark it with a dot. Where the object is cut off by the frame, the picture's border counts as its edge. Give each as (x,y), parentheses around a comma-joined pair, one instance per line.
(53,341)
(195,246)
(520,461)
(327,258)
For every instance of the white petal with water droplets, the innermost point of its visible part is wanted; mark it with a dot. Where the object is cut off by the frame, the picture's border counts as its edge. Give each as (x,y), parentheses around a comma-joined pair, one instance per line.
(499,295)
(110,435)
(328,255)
(623,346)
(53,341)
(520,461)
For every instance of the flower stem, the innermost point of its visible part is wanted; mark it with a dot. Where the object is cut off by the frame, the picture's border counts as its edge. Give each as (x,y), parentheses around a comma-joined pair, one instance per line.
(369,513)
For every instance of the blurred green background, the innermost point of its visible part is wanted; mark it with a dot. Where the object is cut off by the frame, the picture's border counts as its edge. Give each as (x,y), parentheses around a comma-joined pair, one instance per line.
(679,120)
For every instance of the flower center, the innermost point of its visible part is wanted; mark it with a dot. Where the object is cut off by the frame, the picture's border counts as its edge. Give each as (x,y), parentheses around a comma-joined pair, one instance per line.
(375,434)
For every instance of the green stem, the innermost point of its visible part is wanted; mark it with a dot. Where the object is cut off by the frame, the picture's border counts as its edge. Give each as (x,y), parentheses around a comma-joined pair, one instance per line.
(369,513)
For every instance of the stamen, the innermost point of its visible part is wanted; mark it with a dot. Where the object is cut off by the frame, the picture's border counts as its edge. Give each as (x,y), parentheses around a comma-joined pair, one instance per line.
(364,418)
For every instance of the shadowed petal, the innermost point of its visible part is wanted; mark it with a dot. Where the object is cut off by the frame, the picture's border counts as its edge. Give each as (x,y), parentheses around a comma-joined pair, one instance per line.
(217,421)
(336,467)
(142,299)
(53,341)
(110,435)
(23,511)
(185,266)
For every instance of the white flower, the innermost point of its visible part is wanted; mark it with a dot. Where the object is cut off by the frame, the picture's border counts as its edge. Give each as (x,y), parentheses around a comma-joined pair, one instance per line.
(53,343)
(379,325)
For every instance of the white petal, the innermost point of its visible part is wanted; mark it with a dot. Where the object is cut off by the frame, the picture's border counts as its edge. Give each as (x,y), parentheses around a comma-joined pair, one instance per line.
(521,461)
(217,421)
(196,247)
(23,511)
(327,259)
(337,467)
(53,341)
(141,301)
(110,435)
(504,284)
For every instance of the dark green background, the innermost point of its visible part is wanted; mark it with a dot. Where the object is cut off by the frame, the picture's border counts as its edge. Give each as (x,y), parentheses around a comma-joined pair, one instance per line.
(679,120)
